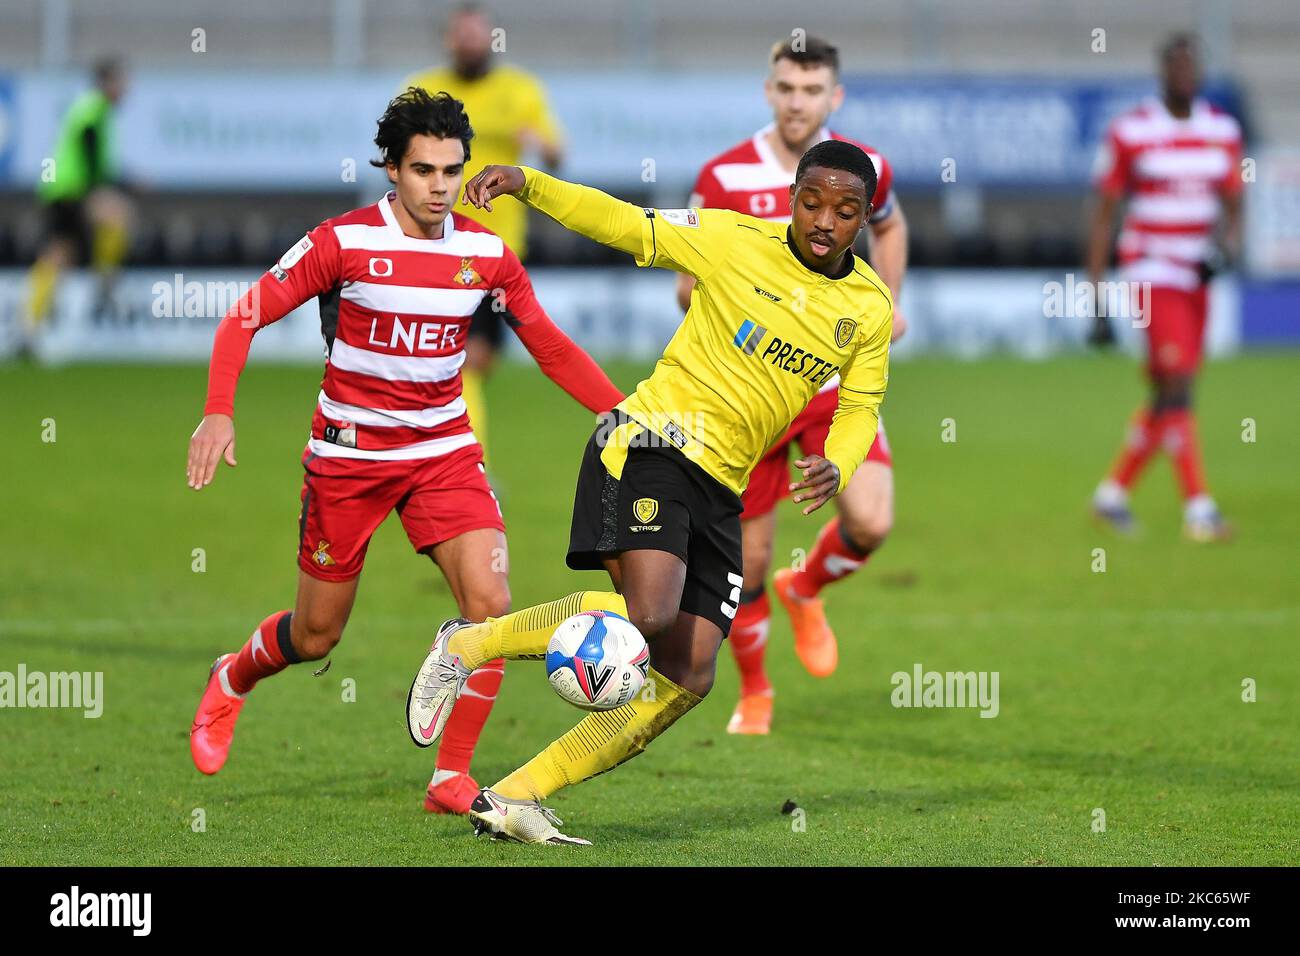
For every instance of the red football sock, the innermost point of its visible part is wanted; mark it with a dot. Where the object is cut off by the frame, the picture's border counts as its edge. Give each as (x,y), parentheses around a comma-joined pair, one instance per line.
(1139,446)
(832,558)
(466,722)
(749,644)
(267,652)
(1178,435)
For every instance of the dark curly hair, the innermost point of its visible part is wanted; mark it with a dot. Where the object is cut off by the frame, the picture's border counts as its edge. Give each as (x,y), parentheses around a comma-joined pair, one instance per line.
(417,111)
(837,154)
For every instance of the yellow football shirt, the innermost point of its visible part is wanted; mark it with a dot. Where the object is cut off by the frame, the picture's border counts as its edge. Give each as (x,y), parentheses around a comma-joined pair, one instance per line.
(503,105)
(762,335)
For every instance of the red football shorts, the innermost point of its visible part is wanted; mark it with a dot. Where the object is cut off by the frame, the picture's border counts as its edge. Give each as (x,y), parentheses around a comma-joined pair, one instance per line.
(1176,333)
(345,499)
(770,480)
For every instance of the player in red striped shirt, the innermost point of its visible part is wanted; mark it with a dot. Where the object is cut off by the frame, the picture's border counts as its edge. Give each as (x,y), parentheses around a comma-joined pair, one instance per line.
(397,283)
(754,178)
(1177,160)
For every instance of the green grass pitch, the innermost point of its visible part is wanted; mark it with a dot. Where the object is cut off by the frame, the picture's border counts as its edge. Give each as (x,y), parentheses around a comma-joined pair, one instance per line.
(1120,690)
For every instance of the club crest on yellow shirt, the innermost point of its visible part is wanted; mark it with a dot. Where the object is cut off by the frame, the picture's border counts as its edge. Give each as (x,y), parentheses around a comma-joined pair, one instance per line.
(844,330)
(467,276)
(645,509)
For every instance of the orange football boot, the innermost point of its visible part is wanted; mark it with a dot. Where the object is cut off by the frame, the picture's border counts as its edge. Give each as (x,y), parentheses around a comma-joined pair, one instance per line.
(753,715)
(814,641)
(214,722)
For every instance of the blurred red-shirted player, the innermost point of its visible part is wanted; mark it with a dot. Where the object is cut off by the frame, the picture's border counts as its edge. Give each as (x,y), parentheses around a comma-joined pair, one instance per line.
(754,178)
(1178,161)
(397,284)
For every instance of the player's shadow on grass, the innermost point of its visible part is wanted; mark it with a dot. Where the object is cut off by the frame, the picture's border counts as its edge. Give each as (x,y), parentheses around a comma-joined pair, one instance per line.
(294,783)
(1108,768)
(103,651)
(1174,771)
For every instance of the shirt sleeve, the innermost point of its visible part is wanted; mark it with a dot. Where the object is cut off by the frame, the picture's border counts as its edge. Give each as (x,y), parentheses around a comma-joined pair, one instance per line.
(312,266)
(862,389)
(695,241)
(883,202)
(558,356)
(1112,170)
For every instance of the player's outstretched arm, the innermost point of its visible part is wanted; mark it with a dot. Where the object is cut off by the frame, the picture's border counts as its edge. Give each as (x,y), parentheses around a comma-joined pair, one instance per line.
(585,210)
(1099,245)
(558,356)
(310,267)
(566,364)
(889,239)
(215,436)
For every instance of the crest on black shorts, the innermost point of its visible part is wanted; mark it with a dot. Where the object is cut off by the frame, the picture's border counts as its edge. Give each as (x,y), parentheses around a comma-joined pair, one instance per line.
(844,330)
(645,509)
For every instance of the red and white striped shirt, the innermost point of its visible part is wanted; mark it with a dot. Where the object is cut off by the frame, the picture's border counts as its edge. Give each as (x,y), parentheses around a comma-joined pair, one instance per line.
(395,312)
(1176,173)
(749,179)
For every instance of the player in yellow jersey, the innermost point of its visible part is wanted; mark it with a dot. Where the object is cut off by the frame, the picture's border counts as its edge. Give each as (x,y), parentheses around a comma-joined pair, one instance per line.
(777,311)
(511,117)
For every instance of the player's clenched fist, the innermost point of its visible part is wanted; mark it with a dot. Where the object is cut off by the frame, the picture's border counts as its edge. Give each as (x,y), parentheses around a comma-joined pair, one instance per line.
(214,438)
(493,181)
(821,482)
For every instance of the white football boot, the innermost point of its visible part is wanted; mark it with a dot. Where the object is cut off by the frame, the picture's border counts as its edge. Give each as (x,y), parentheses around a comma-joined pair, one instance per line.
(523,821)
(435,688)
(1203,523)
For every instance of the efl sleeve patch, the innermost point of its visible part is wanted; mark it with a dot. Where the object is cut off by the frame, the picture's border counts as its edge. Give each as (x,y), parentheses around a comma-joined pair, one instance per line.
(681,217)
(295,252)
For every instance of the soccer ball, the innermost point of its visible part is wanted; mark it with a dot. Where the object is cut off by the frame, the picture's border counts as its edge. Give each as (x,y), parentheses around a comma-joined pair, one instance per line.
(597,660)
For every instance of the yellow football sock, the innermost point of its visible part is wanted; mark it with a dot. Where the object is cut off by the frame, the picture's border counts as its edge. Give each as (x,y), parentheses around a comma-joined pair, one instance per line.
(601,741)
(523,635)
(42,280)
(109,246)
(471,390)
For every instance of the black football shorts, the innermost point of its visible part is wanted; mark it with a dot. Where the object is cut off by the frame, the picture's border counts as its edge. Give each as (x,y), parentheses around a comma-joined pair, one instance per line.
(662,502)
(66,219)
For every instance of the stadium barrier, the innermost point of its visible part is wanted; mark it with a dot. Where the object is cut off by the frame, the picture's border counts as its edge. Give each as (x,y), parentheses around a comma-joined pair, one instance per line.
(160,317)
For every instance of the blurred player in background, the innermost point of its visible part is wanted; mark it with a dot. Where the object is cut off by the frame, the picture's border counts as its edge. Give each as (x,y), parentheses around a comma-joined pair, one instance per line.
(87,213)
(511,118)
(1177,160)
(397,282)
(754,178)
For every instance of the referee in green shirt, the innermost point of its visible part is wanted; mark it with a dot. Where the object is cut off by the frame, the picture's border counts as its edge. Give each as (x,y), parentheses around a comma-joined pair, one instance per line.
(86,213)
